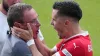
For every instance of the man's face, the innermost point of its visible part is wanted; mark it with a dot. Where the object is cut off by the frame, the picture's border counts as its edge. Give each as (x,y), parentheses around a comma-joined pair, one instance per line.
(30,16)
(8,3)
(57,23)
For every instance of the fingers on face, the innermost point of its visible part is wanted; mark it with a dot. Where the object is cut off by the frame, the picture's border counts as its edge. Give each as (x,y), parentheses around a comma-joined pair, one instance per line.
(29,28)
(18,29)
(20,34)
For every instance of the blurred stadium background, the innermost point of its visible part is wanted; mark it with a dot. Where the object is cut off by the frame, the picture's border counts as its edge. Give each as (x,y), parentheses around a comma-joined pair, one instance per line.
(90,20)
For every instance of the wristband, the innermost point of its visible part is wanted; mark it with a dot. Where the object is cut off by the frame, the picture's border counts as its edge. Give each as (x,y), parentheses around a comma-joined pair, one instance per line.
(30,42)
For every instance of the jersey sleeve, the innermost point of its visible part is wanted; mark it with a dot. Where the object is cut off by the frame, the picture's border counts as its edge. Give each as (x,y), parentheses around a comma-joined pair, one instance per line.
(40,35)
(57,46)
(63,52)
(54,49)
(71,50)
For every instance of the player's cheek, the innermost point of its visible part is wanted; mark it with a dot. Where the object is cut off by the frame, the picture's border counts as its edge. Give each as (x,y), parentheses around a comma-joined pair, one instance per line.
(33,27)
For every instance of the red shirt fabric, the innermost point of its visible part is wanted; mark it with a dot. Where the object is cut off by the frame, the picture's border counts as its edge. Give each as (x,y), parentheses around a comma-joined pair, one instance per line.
(77,45)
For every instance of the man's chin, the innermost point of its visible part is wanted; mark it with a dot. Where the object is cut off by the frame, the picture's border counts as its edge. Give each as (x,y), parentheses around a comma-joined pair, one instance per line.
(5,6)
(60,37)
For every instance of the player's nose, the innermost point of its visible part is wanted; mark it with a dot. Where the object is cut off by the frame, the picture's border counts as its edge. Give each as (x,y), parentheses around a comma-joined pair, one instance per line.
(52,22)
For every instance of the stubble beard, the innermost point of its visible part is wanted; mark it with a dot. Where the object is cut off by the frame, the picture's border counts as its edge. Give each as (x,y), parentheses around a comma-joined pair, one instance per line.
(5,6)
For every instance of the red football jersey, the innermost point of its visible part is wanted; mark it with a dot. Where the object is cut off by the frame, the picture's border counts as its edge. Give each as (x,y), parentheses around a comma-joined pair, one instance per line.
(77,45)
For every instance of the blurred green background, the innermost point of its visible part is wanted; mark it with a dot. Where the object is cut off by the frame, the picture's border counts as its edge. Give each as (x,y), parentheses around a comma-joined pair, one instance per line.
(90,20)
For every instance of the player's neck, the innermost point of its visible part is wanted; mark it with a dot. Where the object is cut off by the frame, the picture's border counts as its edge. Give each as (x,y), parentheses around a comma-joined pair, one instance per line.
(75,30)
(2,9)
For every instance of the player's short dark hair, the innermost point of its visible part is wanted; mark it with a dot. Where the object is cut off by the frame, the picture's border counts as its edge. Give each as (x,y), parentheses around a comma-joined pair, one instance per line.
(68,8)
(15,13)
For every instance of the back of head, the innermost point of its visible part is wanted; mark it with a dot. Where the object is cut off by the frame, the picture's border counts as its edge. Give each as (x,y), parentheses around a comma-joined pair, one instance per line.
(68,8)
(15,13)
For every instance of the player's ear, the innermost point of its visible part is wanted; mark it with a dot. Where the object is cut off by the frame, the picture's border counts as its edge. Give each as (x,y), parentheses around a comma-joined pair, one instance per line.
(16,24)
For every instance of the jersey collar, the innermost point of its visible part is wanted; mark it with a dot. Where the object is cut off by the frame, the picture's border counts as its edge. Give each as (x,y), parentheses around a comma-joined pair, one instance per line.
(85,33)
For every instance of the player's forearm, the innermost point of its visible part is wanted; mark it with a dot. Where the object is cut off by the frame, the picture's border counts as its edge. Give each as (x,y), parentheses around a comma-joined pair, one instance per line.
(34,50)
(43,49)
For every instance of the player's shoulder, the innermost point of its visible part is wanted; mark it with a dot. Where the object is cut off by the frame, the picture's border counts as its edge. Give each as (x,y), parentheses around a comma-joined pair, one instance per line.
(80,41)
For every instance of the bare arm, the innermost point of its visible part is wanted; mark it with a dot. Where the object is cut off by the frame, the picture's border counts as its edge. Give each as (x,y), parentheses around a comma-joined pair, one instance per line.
(44,50)
(34,51)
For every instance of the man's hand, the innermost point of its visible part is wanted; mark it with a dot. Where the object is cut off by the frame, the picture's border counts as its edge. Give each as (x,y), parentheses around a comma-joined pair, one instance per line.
(23,34)
(34,29)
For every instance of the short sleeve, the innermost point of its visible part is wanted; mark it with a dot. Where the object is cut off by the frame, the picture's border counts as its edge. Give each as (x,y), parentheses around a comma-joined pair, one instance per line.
(63,52)
(54,48)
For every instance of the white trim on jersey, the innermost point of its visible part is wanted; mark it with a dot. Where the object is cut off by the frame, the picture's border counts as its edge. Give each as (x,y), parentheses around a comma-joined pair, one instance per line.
(85,33)
(90,48)
(66,53)
(57,54)
(54,48)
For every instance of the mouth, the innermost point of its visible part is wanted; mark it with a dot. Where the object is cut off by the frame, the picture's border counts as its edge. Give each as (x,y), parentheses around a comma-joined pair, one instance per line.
(37,30)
